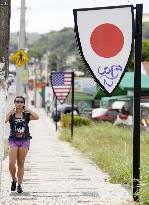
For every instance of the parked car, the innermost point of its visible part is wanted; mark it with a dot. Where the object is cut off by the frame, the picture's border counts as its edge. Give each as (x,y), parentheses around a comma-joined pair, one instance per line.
(65,109)
(105,114)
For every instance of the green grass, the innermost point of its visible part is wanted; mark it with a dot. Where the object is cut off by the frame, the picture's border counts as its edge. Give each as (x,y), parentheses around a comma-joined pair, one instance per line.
(111,148)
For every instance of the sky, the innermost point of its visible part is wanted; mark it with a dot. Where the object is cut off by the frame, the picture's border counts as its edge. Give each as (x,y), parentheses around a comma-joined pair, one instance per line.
(47,15)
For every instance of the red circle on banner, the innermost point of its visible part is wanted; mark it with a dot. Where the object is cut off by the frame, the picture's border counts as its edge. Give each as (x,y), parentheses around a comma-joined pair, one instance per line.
(107,40)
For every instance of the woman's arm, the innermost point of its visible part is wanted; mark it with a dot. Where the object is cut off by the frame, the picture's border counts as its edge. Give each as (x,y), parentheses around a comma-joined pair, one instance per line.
(8,115)
(33,115)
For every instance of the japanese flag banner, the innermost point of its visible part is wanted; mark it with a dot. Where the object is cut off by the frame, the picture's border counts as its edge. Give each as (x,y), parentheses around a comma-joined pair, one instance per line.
(61,84)
(105,38)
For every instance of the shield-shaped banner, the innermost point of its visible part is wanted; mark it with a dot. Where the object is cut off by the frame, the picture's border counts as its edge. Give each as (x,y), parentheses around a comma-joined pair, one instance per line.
(104,37)
(61,84)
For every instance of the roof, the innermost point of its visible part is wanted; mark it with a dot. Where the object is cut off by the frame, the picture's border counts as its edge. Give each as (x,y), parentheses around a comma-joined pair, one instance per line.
(127,82)
(115,97)
(108,101)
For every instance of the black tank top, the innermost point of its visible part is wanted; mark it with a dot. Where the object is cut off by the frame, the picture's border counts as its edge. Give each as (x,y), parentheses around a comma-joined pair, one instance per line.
(19,128)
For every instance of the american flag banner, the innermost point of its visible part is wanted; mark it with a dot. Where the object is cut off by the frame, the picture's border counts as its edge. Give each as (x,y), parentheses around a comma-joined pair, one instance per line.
(61,84)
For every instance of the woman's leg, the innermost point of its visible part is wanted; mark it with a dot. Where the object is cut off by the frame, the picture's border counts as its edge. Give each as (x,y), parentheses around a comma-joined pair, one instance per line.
(22,152)
(12,161)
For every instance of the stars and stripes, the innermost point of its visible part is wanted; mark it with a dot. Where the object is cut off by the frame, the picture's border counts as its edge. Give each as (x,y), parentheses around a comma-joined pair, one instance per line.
(61,84)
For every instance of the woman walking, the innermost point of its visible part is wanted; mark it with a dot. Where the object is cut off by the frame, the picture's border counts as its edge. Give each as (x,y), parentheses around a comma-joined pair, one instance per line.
(19,139)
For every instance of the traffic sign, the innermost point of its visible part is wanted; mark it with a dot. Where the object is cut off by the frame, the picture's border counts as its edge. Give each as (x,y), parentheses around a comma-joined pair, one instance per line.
(20,57)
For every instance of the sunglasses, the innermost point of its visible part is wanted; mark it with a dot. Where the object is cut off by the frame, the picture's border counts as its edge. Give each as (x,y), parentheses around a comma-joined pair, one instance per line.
(19,101)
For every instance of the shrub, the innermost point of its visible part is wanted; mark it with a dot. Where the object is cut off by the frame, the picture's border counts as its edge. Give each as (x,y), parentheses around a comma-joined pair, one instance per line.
(78,121)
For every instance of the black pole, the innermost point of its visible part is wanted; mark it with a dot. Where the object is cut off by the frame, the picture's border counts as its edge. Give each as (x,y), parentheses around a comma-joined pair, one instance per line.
(72,101)
(56,114)
(136,110)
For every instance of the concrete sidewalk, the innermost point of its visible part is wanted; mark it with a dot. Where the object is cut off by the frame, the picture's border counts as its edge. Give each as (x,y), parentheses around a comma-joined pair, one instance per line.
(57,174)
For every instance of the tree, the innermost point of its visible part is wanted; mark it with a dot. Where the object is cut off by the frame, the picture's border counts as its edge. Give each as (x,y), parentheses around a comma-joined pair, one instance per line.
(4,46)
(145,50)
(130,64)
(4,33)
(145,55)
(35,53)
(53,61)
(145,30)
(79,65)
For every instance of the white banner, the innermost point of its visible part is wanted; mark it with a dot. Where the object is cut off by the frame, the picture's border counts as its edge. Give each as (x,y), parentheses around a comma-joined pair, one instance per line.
(104,37)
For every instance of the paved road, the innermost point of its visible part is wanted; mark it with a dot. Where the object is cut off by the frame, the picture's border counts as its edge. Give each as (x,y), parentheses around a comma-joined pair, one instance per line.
(57,174)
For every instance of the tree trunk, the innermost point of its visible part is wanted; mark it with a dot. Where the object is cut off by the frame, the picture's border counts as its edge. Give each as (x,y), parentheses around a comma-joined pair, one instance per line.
(4,38)
(4,47)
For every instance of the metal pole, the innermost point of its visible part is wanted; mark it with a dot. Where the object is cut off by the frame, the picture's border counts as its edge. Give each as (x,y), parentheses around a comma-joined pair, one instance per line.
(72,115)
(56,113)
(21,45)
(136,111)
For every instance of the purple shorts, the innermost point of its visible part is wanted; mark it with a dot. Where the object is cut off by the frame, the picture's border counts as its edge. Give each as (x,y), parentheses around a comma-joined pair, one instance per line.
(19,143)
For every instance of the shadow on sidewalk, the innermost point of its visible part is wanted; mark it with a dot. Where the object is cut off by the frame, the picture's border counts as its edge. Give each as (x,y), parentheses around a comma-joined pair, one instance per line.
(17,194)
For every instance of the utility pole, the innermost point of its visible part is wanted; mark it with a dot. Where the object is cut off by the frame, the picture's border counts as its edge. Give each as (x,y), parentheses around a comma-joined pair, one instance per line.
(21,45)
(5,6)
(46,67)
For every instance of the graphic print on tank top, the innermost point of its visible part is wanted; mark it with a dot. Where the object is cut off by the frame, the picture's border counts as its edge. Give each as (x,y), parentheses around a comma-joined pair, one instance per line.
(19,128)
